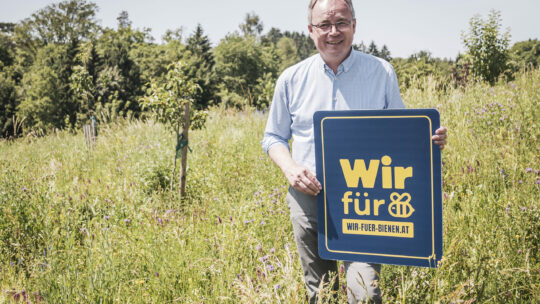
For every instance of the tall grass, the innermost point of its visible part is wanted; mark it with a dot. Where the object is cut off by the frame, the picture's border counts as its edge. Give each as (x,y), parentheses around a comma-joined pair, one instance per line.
(100,225)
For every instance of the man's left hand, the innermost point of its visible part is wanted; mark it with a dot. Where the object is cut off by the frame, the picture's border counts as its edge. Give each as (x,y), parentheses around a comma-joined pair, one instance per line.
(440,137)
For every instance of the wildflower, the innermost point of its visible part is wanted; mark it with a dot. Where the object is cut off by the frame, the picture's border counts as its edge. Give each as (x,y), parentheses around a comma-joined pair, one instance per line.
(107,217)
(263,258)
(528,170)
(507,209)
(272,250)
(512,85)
(258,248)
(270,267)
(286,246)
(219,219)
(24,189)
(84,231)
(523,208)
(216,199)
(277,286)
(538,182)
(263,223)
(127,221)
(341,269)
(520,181)
(157,274)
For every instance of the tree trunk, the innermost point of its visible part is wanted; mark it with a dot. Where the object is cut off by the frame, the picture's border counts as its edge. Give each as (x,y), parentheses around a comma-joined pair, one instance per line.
(184,150)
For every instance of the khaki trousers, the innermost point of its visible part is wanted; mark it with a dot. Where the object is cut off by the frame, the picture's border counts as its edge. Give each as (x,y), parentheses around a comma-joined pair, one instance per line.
(362,278)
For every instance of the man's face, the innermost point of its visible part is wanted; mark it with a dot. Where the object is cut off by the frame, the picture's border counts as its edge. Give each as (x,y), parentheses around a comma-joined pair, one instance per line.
(333,44)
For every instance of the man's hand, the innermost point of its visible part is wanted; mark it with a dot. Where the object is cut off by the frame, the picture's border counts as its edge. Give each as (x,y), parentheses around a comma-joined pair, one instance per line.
(440,137)
(302,180)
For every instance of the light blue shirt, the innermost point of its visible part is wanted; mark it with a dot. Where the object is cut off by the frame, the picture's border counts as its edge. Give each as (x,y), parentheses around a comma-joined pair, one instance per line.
(362,82)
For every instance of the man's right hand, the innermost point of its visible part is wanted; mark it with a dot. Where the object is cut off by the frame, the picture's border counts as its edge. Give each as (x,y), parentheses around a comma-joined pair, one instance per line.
(303,180)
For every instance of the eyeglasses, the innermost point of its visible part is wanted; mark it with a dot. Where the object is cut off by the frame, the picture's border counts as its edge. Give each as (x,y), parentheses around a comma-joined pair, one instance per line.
(327,26)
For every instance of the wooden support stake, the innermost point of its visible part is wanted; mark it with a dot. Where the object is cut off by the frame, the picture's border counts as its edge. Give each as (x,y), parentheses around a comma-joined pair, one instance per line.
(184,150)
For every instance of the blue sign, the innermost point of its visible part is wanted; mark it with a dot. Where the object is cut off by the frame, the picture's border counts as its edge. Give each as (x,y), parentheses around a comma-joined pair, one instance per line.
(381,175)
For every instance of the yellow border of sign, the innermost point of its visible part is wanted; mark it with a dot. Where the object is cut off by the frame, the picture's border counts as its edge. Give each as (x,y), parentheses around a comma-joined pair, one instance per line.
(432,256)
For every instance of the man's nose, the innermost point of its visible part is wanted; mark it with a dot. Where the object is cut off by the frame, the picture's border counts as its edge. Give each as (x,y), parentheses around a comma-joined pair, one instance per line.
(333,29)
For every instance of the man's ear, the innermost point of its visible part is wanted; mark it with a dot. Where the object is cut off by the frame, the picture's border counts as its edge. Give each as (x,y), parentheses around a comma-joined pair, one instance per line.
(354,26)
(310,29)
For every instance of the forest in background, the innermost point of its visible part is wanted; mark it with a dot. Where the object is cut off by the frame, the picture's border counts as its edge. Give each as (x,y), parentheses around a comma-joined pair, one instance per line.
(59,66)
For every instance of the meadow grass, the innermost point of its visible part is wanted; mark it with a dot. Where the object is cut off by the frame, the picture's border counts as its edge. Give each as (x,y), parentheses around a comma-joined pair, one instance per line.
(101,225)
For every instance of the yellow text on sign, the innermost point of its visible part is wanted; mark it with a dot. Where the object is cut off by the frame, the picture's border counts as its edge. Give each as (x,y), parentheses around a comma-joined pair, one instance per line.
(379,228)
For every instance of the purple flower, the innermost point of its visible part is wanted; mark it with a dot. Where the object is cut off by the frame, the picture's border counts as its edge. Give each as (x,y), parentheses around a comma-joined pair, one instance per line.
(263,258)
(523,208)
(127,221)
(157,274)
(270,267)
(24,189)
(263,223)
(258,248)
(272,250)
(277,286)
(512,85)
(107,217)
(520,181)
(84,231)
(507,209)
(219,219)
(528,170)
(286,246)
(538,182)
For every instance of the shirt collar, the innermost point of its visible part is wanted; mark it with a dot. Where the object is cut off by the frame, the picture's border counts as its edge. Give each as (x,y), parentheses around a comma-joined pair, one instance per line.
(345,66)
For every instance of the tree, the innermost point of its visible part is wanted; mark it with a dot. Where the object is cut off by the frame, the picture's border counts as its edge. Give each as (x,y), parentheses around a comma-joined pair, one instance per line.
(372,49)
(286,49)
(360,47)
(385,53)
(525,54)
(123,20)
(241,64)
(304,45)
(170,103)
(67,22)
(200,68)
(47,102)
(487,46)
(252,25)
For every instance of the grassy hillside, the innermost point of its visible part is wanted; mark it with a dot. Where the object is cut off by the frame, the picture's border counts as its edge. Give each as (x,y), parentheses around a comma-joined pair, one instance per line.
(100,225)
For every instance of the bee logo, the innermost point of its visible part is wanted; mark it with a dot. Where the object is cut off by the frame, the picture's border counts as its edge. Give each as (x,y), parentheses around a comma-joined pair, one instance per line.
(400,206)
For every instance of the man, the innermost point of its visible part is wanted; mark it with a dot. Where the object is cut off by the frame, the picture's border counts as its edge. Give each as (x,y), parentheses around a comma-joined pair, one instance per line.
(338,78)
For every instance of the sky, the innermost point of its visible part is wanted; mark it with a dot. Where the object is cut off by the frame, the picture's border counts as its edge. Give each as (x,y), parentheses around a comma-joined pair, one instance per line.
(406,27)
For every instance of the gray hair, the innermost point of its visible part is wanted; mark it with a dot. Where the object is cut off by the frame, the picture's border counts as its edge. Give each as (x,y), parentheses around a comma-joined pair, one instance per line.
(313,2)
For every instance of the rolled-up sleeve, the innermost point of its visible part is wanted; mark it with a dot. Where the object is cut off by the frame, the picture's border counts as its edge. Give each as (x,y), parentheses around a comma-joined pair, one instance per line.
(278,126)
